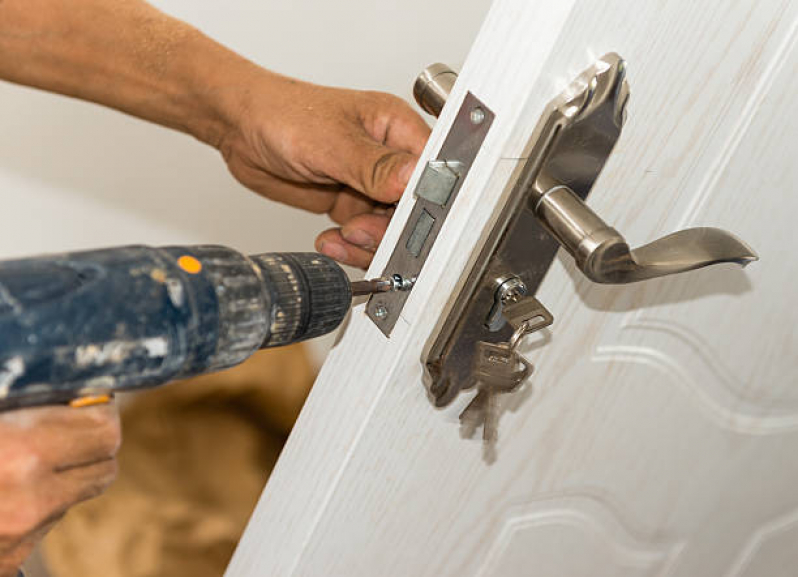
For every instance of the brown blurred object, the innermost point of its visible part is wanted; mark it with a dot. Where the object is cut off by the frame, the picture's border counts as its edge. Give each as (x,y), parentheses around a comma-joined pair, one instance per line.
(194,459)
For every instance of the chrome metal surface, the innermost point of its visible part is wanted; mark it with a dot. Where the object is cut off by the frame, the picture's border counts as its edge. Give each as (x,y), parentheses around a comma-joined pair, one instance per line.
(545,206)
(381,285)
(562,164)
(432,87)
(581,125)
(604,256)
(508,291)
(402,284)
(438,180)
(458,152)
(367,287)
(477,116)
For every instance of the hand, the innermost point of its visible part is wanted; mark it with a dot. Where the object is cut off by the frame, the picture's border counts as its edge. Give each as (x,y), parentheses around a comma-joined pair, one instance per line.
(50,459)
(342,152)
(327,150)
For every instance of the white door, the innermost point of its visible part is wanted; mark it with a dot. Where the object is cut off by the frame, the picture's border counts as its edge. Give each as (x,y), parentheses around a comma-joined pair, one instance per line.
(658,434)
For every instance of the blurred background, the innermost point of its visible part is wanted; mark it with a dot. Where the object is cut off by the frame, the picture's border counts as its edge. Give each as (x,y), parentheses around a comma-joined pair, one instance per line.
(74,175)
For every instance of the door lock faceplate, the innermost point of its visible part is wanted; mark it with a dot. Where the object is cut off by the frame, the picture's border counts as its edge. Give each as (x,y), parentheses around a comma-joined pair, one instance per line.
(571,142)
(435,193)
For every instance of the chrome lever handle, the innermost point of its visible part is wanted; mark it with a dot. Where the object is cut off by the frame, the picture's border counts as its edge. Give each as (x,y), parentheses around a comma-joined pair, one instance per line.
(604,256)
(543,208)
(573,140)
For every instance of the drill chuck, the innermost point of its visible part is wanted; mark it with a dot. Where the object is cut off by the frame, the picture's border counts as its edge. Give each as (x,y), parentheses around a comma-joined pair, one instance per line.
(125,318)
(310,295)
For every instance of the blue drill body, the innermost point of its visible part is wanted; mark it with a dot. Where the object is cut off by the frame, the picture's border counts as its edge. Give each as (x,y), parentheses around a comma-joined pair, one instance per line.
(94,322)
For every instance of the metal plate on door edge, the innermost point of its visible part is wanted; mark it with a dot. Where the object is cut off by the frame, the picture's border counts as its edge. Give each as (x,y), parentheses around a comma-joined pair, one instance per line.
(570,144)
(435,193)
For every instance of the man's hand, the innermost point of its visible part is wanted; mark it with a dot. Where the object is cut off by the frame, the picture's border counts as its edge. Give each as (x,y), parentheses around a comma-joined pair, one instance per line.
(50,459)
(345,153)
(342,152)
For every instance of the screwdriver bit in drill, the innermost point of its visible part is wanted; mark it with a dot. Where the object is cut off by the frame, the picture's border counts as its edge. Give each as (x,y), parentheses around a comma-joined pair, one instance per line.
(381,285)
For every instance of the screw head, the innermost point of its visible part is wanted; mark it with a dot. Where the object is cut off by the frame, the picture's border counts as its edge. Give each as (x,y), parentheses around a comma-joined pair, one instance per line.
(381,312)
(511,289)
(512,295)
(477,116)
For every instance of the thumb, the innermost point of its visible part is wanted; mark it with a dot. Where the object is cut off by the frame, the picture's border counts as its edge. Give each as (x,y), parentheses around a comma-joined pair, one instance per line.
(381,173)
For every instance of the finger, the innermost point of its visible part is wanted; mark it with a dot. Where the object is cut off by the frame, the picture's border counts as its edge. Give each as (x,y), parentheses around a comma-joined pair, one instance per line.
(318,198)
(365,230)
(407,131)
(385,209)
(393,122)
(44,500)
(348,204)
(11,559)
(80,484)
(58,492)
(65,437)
(94,437)
(17,554)
(339,201)
(332,244)
(379,172)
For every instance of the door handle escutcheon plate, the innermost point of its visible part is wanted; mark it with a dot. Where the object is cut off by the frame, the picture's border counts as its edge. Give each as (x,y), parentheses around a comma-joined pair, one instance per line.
(584,123)
(546,209)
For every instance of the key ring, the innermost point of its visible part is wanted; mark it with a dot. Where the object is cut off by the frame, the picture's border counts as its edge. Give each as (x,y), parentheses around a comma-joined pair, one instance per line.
(528,327)
(519,334)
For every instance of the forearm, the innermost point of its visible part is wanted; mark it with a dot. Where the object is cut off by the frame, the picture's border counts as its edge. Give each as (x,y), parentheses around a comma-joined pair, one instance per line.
(343,152)
(127,55)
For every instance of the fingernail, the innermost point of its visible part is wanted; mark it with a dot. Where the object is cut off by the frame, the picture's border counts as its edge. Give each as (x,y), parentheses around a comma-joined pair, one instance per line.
(384,210)
(334,251)
(359,237)
(406,172)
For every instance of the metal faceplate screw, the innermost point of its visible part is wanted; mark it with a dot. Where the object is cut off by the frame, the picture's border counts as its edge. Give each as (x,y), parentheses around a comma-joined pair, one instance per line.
(381,312)
(402,284)
(477,115)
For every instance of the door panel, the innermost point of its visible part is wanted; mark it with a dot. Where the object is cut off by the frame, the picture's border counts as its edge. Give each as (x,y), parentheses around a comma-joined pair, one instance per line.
(659,432)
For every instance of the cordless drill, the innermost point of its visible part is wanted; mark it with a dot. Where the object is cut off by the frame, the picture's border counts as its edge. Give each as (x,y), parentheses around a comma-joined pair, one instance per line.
(86,324)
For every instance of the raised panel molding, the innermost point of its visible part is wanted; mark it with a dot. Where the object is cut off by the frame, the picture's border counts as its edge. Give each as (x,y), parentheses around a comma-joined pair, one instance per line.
(772,551)
(533,539)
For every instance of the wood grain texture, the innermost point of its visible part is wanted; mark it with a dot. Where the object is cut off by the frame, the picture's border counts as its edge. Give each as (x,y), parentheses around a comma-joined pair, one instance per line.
(658,433)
